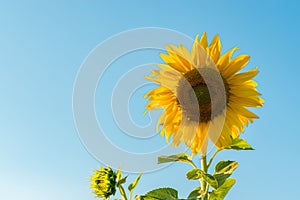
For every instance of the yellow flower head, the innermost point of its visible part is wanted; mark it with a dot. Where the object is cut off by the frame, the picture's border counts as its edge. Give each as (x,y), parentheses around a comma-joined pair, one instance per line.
(203,94)
(104,182)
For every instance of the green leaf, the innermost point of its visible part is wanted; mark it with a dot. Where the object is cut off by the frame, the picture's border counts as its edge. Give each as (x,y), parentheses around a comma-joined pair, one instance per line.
(212,181)
(122,181)
(138,197)
(182,157)
(226,167)
(240,144)
(195,194)
(134,183)
(221,178)
(220,193)
(223,170)
(161,193)
(195,174)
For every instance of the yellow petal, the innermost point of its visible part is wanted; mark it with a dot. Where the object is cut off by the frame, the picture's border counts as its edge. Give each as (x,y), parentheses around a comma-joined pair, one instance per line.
(203,41)
(158,91)
(179,57)
(244,91)
(242,77)
(161,120)
(199,56)
(186,54)
(247,101)
(215,49)
(225,59)
(236,65)
(233,118)
(189,130)
(201,139)
(171,113)
(172,63)
(242,110)
(224,139)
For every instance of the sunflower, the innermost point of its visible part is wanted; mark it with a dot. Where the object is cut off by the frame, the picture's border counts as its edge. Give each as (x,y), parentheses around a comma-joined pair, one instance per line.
(104,182)
(203,95)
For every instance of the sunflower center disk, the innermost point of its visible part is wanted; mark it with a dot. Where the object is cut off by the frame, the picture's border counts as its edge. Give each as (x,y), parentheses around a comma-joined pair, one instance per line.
(202,94)
(198,90)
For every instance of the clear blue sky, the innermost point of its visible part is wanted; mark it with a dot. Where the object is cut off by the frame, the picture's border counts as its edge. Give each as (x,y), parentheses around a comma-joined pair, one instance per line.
(43,43)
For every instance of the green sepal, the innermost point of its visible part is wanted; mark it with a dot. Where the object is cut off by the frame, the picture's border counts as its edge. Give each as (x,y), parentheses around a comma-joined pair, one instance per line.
(122,181)
(134,183)
(239,144)
(119,174)
(220,193)
(195,174)
(161,193)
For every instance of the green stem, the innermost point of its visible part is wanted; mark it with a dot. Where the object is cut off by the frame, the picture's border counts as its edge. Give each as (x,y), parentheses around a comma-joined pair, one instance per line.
(193,164)
(204,163)
(130,195)
(204,168)
(122,191)
(212,158)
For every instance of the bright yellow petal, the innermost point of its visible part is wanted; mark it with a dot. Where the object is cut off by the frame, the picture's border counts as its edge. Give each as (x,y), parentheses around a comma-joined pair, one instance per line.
(200,139)
(161,120)
(242,110)
(225,137)
(242,77)
(247,101)
(223,62)
(199,56)
(215,49)
(236,65)
(179,58)
(158,91)
(203,41)
(244,91)
(171,61)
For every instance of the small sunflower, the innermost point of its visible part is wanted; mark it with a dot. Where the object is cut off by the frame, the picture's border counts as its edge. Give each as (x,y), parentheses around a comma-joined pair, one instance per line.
(104,182)
(203,95)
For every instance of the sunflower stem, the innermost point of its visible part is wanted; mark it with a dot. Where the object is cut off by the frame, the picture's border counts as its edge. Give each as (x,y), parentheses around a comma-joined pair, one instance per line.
(203,182)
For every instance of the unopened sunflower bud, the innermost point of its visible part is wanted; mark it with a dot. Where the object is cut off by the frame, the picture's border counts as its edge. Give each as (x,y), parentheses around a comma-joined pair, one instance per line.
(104,182)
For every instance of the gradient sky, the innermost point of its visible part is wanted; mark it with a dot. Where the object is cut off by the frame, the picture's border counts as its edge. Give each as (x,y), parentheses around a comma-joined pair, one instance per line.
(43,43)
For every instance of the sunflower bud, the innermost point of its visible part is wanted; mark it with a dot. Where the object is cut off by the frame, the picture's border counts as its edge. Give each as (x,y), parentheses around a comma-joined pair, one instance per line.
(104,182)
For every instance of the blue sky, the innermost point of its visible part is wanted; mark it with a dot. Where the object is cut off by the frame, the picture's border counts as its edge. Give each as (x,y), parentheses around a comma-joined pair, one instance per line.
(43,43)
